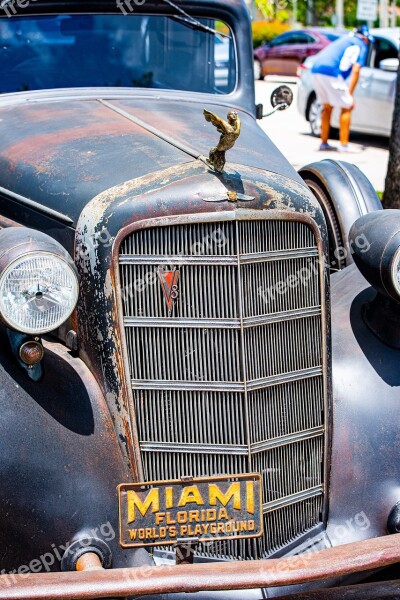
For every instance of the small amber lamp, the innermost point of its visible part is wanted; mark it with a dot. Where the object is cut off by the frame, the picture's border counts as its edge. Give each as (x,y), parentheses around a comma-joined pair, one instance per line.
(31,353)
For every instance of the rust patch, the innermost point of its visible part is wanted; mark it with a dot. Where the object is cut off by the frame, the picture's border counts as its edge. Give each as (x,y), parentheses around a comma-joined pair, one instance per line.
(159,118)
(46,145)
(4,222)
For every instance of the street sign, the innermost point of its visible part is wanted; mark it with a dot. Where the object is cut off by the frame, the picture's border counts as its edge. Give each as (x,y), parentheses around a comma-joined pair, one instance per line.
(367,10)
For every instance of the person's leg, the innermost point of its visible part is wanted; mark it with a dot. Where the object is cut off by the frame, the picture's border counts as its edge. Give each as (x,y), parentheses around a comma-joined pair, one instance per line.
(345,101)
(324,88)
(326,122)
(325,127)
(345,119)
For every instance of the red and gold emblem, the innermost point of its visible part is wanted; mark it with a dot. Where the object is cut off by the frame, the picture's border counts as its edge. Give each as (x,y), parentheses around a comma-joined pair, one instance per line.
(169,284)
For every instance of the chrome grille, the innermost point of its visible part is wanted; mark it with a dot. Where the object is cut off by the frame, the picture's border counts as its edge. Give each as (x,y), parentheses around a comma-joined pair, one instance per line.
(232,380)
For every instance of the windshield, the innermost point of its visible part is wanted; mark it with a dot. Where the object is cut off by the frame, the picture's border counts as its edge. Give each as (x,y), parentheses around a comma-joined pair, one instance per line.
(115,50)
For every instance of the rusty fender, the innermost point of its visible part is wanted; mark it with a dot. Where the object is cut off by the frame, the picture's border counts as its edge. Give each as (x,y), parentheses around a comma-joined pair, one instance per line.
(60,462)
(100,583)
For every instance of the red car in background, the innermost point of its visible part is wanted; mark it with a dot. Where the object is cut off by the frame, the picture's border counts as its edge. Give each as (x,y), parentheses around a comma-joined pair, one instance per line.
(287,51)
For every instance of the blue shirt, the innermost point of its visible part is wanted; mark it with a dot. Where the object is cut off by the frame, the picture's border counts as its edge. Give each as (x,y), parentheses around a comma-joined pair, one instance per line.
(338,58)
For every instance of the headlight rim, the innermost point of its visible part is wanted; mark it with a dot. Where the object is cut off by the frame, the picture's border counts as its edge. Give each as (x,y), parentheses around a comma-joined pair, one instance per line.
(69,264)
(394,263)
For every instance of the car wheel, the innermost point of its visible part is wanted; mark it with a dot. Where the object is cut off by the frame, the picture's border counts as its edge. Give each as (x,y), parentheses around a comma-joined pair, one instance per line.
(314,117)
(258,70)
(345,194)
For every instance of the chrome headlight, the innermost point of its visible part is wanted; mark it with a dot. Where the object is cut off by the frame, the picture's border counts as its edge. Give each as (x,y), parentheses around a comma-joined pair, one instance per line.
(375,242)
(38,282)
(395,271)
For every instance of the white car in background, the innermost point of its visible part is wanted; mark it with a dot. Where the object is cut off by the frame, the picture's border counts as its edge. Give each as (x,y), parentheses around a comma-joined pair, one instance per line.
(221,58)
(374,94)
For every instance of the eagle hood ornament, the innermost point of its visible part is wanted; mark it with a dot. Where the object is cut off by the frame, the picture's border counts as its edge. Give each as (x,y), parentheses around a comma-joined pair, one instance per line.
(229,130)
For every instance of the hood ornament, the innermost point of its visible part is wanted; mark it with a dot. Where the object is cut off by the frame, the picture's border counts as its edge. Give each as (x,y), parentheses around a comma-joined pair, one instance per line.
(229,131)
(169,284)
(228,195)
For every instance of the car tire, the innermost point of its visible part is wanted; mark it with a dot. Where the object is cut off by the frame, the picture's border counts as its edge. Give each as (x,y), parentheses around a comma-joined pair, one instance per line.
(345,194)
(258,70)
(314,116)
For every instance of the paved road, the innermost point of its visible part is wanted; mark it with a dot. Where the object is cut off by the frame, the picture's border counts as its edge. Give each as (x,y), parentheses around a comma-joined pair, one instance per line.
(291,133)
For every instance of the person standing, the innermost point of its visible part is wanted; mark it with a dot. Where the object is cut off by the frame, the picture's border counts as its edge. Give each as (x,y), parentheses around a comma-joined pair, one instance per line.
(343,58)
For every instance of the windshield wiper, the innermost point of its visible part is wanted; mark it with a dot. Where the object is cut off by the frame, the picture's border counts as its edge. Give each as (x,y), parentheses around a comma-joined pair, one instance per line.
(186,18)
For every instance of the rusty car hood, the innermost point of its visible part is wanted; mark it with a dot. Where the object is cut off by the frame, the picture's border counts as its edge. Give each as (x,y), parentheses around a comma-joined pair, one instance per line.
(62,154)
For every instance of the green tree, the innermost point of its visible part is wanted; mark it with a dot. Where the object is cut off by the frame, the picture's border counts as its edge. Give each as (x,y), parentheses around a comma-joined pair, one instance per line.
(321,11)
(391,197)
(273,10)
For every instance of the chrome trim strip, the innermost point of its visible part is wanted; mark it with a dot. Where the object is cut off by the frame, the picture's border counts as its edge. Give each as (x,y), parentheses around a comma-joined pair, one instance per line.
(287,439)
(193,448)
(288,315)
(35,205)
(210,386)
(278,255)
(152,259)
(163,136)
(304,495)
(147,259)
(232,386)
(178,322)
(231,449)
(277,379)
(221,323)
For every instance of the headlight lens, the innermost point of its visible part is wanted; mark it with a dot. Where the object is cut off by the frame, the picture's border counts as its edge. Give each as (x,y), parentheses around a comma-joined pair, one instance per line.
(38,292)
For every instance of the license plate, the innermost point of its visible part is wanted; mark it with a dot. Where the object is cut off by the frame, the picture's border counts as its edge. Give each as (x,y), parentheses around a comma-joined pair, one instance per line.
(209,509)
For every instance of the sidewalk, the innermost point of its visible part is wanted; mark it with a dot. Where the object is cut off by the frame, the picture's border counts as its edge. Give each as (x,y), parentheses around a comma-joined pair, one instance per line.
(291,133)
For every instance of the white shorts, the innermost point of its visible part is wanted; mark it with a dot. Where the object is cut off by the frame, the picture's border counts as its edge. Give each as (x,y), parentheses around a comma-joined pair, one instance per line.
(332,90)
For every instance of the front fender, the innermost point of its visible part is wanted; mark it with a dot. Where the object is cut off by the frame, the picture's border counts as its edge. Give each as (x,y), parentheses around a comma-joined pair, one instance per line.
(365,469)
(60,463)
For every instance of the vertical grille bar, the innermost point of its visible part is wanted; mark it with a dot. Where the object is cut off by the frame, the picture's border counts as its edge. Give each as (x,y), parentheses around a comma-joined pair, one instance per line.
(232,380)
(244,351)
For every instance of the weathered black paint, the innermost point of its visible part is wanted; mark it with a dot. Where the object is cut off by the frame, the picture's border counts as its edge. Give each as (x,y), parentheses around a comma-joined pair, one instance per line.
(67,442)
(57,442)
(366,417)
(73,150)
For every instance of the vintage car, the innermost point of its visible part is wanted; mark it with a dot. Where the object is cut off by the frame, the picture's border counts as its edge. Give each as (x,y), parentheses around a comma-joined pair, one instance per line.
(199,358)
